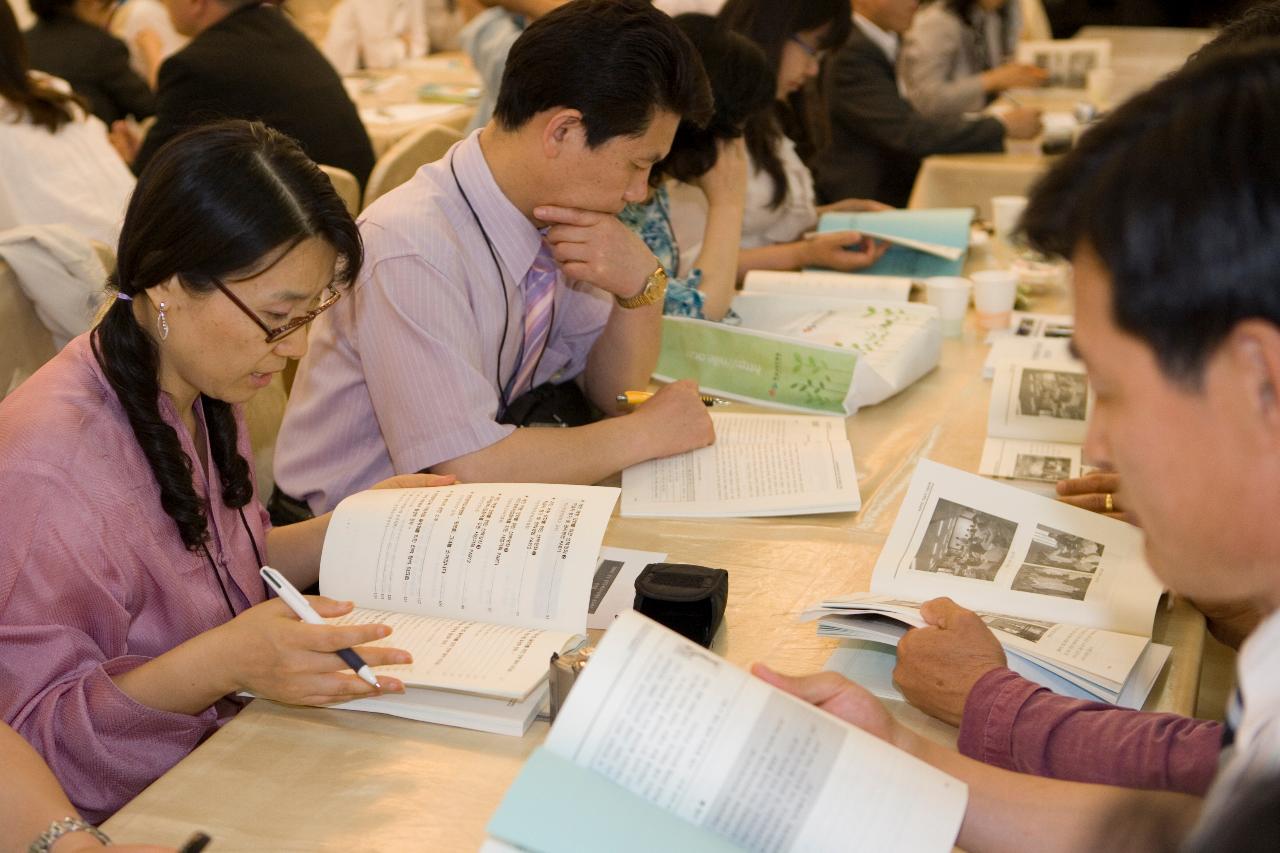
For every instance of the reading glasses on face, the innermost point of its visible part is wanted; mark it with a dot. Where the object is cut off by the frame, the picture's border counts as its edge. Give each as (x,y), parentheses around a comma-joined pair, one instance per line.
(276,334)
(813,52)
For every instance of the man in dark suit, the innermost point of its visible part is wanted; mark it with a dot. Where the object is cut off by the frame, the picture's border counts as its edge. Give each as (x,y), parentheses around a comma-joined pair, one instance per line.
(877,138)
(70,40)
(247,60)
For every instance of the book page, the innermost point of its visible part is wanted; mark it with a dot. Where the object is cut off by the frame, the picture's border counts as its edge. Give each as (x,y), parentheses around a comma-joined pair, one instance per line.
(1041,461)
(782,478)
(996,548)
(520,554)
(756,428)
(1025,350)
(685,730)
(472,657)
(1041,401)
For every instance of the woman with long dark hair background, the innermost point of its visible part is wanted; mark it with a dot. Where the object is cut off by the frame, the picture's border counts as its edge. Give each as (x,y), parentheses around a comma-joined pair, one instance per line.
(781,204)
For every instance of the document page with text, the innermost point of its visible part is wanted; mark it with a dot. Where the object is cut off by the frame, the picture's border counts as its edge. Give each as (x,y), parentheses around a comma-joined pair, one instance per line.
(473,657)
(687,731)
(518,554)
(760,465)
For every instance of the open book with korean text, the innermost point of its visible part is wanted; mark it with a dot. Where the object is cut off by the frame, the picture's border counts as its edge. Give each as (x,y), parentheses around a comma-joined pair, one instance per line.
(1063,589)
(662,745)
(480,583)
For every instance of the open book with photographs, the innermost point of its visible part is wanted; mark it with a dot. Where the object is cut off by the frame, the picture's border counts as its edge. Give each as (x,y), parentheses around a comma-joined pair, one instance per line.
(481,583)
(1036,420)
(663,745)
(1067,592)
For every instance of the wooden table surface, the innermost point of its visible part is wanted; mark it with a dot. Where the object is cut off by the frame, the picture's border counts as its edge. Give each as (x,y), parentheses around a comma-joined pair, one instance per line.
(279,778)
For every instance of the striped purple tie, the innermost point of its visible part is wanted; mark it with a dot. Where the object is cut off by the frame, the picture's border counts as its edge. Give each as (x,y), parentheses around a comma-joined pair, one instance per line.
(539,288)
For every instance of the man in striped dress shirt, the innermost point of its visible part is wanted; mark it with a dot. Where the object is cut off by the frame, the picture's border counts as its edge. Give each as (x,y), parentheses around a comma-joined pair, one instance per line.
(502,268)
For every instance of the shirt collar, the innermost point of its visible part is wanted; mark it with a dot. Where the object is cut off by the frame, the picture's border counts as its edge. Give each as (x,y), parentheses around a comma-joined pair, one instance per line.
(883,39)
(514,237)
(1258,664)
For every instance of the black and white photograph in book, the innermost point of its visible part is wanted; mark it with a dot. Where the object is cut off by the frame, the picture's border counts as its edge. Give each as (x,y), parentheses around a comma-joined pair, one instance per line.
(1023,628)
(1058,563)
(1032,466)
(1068,62)
(1042,580)
(1059,550)
(1053,394)
(964,542)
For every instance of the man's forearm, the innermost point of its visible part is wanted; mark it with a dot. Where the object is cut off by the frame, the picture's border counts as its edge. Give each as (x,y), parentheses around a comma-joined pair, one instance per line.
(1014,812)
(624,356)
(584,455)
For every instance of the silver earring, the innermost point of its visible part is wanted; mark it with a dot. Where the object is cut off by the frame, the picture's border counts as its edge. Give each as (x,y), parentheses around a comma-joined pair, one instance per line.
(162,323)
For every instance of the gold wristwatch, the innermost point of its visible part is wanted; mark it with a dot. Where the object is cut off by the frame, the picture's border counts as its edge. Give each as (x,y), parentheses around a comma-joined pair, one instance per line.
(655,287)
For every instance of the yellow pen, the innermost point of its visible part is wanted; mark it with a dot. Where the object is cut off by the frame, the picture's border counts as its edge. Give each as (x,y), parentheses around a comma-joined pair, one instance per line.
(635,398)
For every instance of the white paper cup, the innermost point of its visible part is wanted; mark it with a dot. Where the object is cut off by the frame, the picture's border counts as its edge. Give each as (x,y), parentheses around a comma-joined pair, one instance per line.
(950,295)
(1098,85)
(1006,210)
(994,292)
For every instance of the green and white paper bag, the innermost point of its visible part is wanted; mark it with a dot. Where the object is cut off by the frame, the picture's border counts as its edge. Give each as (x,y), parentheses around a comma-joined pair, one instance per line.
(805,353)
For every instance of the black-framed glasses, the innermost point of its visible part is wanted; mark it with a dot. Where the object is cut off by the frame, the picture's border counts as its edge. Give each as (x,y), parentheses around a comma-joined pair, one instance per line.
(276,334)
(814,53)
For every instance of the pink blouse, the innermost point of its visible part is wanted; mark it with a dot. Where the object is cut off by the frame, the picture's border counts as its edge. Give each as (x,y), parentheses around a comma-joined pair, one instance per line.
(95,580)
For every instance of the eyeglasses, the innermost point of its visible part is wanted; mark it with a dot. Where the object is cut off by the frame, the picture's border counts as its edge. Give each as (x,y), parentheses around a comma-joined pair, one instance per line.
(274,335)
(814,53)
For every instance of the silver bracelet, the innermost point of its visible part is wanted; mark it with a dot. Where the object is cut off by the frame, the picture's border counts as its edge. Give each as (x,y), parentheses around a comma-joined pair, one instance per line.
(59,828)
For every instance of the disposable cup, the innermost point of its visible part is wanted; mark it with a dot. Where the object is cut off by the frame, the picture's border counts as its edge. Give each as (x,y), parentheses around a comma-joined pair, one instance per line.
(1006,210)
(994,292)
(1099,83)
(950,295)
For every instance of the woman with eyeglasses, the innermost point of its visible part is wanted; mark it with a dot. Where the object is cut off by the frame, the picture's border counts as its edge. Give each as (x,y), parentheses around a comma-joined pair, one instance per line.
(781,204)
(131,609)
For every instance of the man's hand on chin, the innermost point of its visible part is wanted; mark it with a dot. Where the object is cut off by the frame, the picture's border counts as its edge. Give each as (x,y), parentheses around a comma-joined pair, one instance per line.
(597,248)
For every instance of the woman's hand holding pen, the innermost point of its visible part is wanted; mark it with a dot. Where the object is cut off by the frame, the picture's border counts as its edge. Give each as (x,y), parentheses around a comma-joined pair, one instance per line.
(267,651)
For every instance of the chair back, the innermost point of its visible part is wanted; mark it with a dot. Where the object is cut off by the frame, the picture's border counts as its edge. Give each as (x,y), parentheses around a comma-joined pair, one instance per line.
(420,146)
(28,344)
(347,186)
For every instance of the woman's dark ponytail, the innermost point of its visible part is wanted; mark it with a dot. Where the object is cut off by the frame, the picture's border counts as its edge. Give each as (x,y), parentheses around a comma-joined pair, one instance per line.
(212,204)
(129,360)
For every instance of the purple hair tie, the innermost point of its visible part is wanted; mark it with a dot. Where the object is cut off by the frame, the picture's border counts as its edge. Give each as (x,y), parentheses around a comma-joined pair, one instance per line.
(126,297)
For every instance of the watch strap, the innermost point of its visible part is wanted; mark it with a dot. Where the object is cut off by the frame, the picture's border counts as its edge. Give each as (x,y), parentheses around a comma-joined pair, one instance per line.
(655,288)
